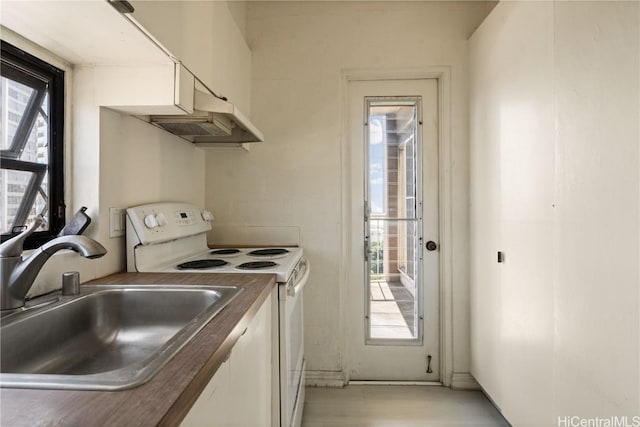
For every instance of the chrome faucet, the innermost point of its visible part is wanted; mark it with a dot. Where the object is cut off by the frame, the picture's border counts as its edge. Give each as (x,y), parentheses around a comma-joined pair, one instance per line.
(17,274)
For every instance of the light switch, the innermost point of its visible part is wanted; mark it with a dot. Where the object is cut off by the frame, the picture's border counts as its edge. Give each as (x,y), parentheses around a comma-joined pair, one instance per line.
(116,222)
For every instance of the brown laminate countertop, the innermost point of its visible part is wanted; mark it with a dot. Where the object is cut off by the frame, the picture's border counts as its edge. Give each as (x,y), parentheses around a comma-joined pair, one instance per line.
(167,397)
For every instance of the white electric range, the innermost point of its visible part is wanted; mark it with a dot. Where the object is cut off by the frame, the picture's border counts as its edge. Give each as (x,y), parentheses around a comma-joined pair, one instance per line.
(171,238)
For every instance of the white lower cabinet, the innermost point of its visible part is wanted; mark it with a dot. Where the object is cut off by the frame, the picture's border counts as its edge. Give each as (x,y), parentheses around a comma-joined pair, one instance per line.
(240,393)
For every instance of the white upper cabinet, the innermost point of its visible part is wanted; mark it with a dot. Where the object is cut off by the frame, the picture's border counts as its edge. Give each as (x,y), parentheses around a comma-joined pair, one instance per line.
(207,40)
(148,60)
(142,73)
(81,32)
(132,73)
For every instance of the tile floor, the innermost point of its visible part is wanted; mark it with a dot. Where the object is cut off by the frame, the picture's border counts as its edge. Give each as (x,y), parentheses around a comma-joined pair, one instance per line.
(391,310)
(398,406)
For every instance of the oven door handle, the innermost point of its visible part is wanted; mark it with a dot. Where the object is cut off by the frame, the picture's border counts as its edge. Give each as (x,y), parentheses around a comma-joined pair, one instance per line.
(292,290)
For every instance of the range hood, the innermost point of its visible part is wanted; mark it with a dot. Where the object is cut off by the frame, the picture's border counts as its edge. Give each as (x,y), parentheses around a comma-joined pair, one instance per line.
(213,121)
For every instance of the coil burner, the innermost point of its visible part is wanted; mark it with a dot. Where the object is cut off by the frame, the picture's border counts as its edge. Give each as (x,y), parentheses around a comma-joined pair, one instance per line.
(256,265)
(225,252)
(201,264)
(269,252)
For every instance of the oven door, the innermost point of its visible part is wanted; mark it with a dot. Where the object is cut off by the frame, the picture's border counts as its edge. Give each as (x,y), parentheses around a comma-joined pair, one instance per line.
(292,346)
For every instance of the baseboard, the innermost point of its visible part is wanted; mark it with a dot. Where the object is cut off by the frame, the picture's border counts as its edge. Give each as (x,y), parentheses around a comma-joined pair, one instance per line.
(464,381)
(410,383)
(336,379)
(333,379)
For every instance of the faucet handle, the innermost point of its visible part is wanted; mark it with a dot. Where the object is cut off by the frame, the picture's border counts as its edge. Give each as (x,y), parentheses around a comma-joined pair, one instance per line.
(70,283)
(14,246)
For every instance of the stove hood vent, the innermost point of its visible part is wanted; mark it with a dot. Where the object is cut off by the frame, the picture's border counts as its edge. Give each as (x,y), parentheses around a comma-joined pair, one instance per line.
(213,121)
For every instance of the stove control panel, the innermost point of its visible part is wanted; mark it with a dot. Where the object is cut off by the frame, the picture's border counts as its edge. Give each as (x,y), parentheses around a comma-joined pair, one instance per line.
(184,218)
(161,222)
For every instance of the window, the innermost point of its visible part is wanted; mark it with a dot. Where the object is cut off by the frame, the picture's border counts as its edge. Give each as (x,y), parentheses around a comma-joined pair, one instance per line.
(31,145)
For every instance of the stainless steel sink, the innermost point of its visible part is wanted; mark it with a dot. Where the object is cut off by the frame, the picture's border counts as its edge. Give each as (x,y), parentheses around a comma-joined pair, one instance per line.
(110,337)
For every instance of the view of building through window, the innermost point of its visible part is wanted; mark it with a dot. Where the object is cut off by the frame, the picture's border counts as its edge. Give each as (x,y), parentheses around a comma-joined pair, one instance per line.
(15,99)
(393,218)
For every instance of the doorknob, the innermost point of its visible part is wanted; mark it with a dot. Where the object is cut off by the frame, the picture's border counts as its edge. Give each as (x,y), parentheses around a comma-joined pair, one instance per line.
(432,246)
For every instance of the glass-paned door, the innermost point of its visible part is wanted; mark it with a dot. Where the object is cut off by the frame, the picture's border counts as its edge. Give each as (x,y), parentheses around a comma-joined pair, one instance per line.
(392,301)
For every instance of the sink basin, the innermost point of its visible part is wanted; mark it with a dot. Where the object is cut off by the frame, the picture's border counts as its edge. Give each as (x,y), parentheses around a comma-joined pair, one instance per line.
(110,337)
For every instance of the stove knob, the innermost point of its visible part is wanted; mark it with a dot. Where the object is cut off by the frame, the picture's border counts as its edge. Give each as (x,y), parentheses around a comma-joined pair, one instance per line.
(150,221)
(161,219)
(207,216)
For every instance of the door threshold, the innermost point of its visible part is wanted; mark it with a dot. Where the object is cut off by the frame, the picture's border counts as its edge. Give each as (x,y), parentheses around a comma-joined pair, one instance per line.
(373,382)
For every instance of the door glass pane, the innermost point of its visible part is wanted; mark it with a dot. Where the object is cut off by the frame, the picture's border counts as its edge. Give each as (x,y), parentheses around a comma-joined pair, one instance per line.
(393,221)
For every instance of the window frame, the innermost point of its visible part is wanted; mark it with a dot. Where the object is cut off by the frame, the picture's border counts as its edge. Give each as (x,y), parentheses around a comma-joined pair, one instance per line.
(23,67)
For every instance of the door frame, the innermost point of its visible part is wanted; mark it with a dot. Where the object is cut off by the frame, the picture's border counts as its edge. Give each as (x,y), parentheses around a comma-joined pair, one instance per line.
(443,76)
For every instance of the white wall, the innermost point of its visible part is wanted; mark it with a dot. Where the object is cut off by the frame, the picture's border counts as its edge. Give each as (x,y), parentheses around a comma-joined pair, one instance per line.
(117,161)
(112,160)
(140,163)
(554,184)
(597,54)
(298,52)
